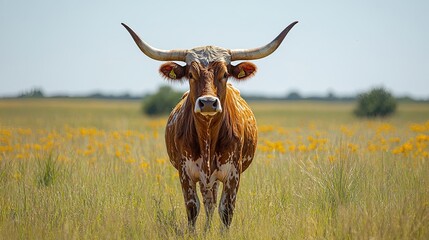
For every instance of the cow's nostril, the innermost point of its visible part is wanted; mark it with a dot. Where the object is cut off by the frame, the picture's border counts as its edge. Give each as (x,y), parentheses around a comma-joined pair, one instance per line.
(201,104)
(215,104)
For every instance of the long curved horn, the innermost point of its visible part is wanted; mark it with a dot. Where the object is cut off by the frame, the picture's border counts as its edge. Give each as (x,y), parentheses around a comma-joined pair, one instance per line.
(157,54)
(261,52)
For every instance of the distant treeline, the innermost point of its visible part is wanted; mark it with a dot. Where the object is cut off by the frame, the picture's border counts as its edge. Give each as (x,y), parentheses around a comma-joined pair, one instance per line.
(321,98)
(292,96)
(38,93)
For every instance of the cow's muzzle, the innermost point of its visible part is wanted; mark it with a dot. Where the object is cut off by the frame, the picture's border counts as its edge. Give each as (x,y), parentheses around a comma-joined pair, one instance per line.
(207,105)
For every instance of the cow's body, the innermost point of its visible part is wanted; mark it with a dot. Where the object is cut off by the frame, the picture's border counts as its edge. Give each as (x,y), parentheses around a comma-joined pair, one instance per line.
(211,150)
(211,134)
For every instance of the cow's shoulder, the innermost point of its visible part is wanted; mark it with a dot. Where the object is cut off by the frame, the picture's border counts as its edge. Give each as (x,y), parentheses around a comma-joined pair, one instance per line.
(180,132)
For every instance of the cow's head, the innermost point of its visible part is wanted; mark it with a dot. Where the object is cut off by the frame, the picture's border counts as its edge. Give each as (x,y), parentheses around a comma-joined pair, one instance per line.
(208,69)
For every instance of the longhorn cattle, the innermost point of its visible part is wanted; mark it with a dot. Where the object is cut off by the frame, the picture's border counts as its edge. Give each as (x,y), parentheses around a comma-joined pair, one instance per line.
(211,134)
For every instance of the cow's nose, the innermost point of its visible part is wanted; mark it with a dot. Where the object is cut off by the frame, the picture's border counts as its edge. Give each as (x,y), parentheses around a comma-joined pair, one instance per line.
(208,104)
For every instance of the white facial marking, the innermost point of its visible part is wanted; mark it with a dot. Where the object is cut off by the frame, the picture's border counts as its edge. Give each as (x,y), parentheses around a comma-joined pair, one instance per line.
(207,113)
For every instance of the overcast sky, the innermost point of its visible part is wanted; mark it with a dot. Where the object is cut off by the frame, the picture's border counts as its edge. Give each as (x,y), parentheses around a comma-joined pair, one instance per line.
(79,47)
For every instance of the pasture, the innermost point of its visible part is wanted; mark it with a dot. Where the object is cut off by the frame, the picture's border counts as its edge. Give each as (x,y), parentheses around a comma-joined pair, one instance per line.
(92,169)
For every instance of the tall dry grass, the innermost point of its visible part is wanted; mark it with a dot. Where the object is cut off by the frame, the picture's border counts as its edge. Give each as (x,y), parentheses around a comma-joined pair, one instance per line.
(73,170)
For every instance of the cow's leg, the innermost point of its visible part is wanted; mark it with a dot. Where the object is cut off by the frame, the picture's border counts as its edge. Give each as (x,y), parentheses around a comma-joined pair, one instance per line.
(229,194)
(209,200)
(191,198)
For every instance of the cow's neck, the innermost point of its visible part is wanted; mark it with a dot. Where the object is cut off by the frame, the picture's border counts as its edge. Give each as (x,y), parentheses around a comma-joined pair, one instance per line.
(208,132)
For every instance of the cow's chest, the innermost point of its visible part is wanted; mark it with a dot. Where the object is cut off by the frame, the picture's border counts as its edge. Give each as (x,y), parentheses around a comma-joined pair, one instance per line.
(199,171)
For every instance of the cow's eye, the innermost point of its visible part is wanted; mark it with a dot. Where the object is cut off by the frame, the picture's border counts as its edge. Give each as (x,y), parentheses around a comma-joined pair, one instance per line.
(190,76)
(225,75)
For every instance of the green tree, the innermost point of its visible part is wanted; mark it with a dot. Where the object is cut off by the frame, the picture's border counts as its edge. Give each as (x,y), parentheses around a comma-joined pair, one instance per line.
(33,93)
(378,102)
(162,102)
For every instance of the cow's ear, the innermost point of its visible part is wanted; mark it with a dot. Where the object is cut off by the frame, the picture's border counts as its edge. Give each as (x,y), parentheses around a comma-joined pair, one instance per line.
(172,71)
(243,70)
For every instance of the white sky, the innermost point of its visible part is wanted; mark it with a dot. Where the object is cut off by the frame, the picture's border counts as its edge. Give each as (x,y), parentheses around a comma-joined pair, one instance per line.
(79,47)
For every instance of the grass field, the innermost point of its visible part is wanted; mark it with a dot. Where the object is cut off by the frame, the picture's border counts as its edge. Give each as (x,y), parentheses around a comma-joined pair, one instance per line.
(87,169)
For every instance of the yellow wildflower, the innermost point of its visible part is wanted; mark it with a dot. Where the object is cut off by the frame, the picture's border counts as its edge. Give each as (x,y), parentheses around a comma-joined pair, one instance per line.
(160,160)
(17,176)
(5,149)
(418,127)
(36,147)
(346,131)
(372,147)
(144,165)
(130,160)
(384,127)
(116,135)
(118,153)
(158,178)
(394,140)
(312,146)
(25,132)
(352,147)
(302,148)
(422,138)
(265,128)
(155,134)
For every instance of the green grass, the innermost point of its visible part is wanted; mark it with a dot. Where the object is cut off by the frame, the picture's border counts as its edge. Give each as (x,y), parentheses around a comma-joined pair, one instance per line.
(81,169)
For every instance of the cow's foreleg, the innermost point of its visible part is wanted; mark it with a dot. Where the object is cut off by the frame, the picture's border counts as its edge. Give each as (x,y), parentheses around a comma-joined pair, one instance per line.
(209,200)
(229,195)
(191,198)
